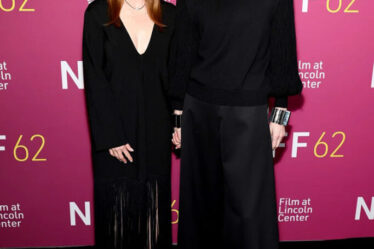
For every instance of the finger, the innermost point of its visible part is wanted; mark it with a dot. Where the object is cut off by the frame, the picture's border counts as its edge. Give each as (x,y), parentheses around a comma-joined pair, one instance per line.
(120,156)
(271,129)
(111,152)
(274,141)
(177,138)
(128,147)
(279,140)
(174,141)
(180,134)
(177,133)
(272,136)
(127,154)
(116,154)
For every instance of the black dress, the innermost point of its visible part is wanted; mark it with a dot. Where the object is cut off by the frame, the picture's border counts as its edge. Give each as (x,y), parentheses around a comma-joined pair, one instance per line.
(127,103)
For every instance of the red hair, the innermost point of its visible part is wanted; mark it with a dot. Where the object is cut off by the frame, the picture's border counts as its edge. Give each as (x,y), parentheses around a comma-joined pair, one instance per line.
(153,8)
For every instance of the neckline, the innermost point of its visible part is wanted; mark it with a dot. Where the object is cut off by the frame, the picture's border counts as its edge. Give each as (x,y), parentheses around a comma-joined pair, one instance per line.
(132,42)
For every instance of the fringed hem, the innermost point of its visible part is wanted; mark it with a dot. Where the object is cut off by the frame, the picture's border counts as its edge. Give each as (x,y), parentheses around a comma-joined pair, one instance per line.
(132,220)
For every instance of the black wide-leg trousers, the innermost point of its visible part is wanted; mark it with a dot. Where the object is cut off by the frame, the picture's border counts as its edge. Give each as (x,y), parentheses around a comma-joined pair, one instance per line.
(227,188)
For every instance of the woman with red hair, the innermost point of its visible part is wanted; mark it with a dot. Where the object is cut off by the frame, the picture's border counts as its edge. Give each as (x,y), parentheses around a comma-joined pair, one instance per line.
(125,53)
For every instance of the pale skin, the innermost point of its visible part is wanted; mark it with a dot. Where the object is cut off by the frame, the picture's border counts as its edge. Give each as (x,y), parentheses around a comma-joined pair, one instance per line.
(277,133)
(139,27)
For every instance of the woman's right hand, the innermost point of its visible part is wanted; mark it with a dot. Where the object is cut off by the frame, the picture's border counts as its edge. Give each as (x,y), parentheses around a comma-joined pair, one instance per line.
(177,138)
(122,153)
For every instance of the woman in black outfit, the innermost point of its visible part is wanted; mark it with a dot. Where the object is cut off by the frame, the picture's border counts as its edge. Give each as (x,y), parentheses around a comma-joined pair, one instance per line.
(129,120)
(230,56)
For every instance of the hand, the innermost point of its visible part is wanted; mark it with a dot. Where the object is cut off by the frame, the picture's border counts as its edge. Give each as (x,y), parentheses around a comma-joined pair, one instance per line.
(118,153)
(177,138)
(277,132)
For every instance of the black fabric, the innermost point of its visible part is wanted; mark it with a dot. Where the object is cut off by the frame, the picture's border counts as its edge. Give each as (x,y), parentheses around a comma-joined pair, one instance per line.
(283,68)
(235,47)
(126,95)
(122,220)
(227,186)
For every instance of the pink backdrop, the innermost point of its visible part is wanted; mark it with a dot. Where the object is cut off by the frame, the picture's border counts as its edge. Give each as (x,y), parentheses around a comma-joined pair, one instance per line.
(323,172)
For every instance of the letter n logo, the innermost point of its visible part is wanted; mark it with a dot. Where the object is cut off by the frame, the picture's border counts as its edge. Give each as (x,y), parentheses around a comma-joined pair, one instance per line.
(75,211)
(66,70)
(361,205)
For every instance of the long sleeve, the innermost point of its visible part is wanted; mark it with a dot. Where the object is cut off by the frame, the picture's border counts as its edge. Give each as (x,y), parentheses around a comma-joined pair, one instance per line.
(283,67)
(105,121)
(183,51)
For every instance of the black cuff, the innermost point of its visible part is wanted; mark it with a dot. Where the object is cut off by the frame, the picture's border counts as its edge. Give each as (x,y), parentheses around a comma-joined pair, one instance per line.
(177,120)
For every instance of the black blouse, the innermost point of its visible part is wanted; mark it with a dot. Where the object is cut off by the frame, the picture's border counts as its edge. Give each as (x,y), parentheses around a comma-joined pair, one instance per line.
(232,52)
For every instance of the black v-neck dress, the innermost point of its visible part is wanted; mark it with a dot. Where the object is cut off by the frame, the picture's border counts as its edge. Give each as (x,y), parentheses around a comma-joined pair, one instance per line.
(126,96)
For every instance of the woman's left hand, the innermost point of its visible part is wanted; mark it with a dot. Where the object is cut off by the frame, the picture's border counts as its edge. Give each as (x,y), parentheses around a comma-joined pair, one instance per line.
(277,132)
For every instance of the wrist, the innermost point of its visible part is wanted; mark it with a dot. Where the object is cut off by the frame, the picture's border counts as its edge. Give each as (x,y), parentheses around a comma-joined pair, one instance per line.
(177,119)
(178,112)
(281,108)
(280,116)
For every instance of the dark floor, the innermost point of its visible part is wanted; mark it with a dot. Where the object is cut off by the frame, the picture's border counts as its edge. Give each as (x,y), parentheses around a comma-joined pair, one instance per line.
(362,243)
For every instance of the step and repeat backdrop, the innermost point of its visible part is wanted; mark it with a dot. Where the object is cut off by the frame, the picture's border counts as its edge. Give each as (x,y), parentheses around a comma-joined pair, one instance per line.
(324,168)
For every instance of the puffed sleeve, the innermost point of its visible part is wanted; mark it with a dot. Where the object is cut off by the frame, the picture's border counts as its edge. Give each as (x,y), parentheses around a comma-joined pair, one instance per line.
(104,118)
(283,68)
(184,46)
